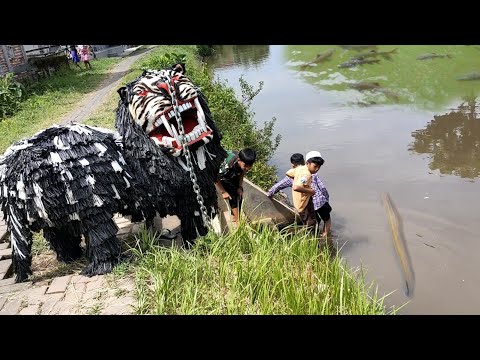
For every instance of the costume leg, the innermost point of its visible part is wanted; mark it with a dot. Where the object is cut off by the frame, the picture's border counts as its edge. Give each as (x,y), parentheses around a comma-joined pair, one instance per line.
(149,222)
(190,225)
(65,242)
(103,248)
(21,242)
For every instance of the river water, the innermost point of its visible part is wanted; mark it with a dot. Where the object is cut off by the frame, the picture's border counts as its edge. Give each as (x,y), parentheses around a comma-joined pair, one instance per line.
(404,125)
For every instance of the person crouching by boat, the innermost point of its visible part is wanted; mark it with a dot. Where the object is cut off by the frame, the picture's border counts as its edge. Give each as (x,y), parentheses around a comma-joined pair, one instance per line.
(230,178)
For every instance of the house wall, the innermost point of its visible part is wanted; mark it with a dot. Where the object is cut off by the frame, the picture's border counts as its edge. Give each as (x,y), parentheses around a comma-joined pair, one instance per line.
(12,59)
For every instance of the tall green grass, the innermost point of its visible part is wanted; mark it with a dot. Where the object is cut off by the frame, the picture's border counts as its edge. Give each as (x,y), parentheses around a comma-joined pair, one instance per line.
(252,270)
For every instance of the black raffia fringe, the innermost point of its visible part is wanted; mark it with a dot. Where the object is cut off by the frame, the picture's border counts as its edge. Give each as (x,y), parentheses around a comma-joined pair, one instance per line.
(39,190)
(54,181)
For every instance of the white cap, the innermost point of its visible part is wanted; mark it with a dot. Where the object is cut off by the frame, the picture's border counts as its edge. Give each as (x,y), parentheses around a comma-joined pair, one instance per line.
(312,154)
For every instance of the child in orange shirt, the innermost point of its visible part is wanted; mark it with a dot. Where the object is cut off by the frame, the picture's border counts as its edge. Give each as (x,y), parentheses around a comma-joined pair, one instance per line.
(302,190)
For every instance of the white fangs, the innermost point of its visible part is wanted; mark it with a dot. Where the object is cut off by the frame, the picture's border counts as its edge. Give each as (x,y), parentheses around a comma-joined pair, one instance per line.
(172,131)
(167,125)
(201,115)
(181,108)
(194,134)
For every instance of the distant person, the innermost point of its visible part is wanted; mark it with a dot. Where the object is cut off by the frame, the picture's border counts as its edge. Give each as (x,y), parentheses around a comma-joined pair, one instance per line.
(85,53)
(302,189)
(320,199)
(74,55)
(230,178)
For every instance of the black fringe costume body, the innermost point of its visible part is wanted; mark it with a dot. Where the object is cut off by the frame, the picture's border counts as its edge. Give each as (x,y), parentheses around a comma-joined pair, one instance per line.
(70,180)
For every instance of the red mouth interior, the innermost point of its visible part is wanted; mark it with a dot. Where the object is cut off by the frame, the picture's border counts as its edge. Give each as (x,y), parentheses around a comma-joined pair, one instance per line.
(189,120)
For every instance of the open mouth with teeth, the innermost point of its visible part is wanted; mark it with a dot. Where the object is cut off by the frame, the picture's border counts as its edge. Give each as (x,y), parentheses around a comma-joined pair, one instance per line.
(153,109)
(166,132)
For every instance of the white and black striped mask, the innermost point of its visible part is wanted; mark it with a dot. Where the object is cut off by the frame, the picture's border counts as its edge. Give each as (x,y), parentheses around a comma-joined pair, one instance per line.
(152,108)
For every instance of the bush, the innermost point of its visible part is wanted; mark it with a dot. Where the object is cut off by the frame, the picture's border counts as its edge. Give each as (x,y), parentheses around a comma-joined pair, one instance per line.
(11,95)
(205,50)
(163,61)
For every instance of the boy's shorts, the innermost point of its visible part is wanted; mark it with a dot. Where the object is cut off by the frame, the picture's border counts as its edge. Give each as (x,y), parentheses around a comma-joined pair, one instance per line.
(236,200)
(324,212)
(307,216)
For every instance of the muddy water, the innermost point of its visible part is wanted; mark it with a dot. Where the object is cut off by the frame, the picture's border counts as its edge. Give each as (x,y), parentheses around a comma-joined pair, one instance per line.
(410,129)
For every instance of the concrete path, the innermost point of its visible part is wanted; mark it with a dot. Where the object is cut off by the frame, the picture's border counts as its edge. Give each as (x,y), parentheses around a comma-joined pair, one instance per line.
(68,295)
(72,294)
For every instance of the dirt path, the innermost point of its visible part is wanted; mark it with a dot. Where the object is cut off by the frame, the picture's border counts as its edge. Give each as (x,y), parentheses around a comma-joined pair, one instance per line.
(71,293)
(93,100)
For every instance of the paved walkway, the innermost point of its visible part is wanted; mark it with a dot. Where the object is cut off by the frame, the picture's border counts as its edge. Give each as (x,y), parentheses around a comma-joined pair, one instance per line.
(68,295)
(72,294)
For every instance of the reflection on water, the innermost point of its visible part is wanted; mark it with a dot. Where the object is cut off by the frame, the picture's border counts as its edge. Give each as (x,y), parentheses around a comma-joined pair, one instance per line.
(425,75)
(453,140)
(234,55)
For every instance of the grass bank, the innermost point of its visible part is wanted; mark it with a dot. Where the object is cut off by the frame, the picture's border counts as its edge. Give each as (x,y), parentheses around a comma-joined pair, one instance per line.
(253,270)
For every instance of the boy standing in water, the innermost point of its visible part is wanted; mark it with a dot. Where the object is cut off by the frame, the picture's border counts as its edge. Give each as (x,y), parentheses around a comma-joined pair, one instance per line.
(302,191)
(320,199)
(321,204)
(230,178)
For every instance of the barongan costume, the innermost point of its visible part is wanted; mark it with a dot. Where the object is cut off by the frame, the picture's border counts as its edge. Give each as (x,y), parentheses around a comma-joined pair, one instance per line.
(70,180)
